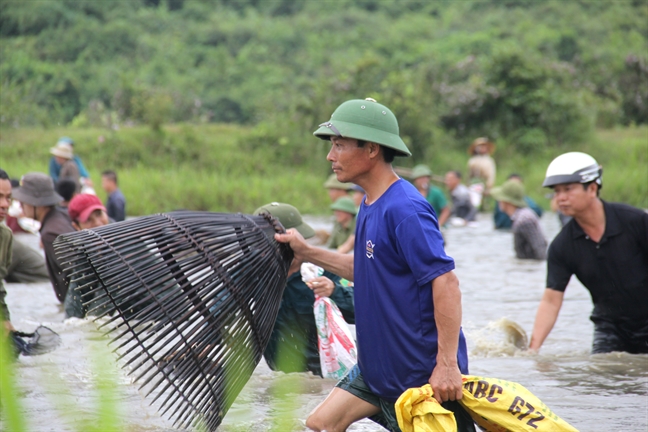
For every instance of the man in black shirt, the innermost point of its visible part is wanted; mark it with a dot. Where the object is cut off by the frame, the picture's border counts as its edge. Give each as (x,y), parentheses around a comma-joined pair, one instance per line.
(606,246)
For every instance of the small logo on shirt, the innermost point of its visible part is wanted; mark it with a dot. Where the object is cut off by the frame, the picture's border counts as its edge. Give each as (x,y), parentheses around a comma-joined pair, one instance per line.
(370,249)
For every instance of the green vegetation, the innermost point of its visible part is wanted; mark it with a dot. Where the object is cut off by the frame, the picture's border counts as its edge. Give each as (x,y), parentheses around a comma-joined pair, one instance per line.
(10,405)
(210,104)
(231,169)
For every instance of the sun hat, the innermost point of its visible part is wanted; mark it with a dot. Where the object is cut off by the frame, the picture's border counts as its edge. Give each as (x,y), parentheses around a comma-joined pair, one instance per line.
(82,205)
(365,120)
(482,141)
(62,149)
(289,217)
(511,191)
(333,183)
(65,140)
(345,204)
(37,189)
(420,171)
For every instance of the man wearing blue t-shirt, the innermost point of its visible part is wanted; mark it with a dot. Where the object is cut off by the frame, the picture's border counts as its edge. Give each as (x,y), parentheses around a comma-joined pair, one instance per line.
(407,297)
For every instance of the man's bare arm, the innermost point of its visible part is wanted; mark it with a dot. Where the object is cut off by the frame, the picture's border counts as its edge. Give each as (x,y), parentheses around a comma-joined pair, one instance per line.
(444,216)
(446,376)
(336,263)
(546,317)
(347,246)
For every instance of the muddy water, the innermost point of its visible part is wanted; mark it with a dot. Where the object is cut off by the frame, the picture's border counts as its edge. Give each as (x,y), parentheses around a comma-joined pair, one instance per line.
(594,393)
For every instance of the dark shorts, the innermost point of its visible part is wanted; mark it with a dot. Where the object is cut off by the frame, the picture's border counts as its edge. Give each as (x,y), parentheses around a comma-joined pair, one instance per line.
(610,337)
(354,384)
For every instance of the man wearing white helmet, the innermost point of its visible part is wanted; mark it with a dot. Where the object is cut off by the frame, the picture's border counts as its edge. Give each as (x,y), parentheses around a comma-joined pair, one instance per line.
(606,246)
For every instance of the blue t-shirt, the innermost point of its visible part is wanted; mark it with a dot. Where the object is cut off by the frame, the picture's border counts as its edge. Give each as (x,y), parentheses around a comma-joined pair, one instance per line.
(398,252)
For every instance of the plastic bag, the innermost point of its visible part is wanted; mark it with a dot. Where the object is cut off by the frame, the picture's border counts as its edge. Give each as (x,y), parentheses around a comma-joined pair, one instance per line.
(495,405)
(336,346)
(335,342)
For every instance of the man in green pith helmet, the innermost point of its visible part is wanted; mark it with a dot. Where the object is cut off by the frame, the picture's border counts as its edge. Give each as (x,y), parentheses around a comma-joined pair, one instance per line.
(343,234)
(421,176)
(407,297)
(293,345)
(528,240)
(336,189)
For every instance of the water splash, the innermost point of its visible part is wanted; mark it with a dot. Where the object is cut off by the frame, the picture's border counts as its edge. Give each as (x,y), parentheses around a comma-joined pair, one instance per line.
(501,338)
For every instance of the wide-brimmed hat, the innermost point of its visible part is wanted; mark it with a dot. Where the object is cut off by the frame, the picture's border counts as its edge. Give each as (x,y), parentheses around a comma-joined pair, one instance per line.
(512,191)
(289,217)
(420,171)
(365,120)
(345,204)
(333,183)
(37,189)
(482,141)
(82,205)
(65,140)
(62,149)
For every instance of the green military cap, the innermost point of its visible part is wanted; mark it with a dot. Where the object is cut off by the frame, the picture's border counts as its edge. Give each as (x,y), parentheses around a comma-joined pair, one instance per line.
(512,191)
(421,171)
(345,204)
(333,183)
(365,120)
(288,216)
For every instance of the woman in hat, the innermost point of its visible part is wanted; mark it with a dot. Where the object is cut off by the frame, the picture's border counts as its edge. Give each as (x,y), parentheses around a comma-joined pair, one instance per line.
(68,169)
(481,166)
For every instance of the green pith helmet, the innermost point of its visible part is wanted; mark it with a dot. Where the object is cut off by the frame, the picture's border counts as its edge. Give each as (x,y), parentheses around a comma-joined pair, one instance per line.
(289,217)
(421,171)
(333,183)
(512,191)
(365,120)
(345,204)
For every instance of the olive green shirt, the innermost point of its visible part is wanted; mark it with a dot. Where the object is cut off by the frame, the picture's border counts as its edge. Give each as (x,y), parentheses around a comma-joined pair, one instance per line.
(6,239)
(339,234)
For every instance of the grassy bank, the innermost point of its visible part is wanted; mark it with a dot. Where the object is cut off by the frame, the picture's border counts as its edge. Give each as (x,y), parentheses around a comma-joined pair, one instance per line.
(233,169)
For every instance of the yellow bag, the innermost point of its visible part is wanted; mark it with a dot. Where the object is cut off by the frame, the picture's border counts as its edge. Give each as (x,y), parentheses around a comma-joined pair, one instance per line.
(499,406)
(418,411)
(495,405)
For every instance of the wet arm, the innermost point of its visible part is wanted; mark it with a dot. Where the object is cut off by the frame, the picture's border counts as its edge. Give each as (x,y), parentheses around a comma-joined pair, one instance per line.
(446,377)
(546,317)
(443,217)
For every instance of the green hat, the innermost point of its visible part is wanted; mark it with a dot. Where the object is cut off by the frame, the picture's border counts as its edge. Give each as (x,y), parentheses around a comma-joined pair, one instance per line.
(421,171)
(289,217)
(365,120)
(333,183)
(512,191)
(345,204)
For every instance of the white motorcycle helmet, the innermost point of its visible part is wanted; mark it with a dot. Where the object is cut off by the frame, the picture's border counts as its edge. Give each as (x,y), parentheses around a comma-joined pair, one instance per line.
(573,167)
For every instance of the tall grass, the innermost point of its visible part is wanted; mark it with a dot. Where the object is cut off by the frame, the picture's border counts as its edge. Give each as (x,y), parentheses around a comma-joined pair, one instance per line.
(11,416)
(232,169)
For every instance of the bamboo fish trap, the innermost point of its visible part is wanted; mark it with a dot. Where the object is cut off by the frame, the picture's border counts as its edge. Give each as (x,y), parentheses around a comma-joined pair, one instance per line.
(189,300)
